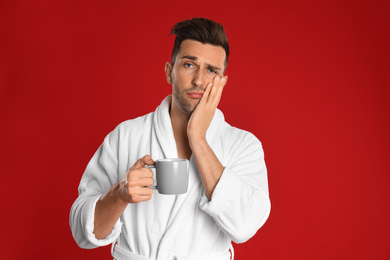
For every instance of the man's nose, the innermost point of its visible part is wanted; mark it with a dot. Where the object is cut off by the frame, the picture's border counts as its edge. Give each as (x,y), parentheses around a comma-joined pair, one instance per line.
(199,79)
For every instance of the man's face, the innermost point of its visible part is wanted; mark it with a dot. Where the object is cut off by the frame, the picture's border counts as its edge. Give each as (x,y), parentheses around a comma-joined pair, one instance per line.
(195,66)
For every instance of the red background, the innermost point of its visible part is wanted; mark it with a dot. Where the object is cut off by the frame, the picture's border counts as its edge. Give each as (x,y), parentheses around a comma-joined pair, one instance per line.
(309,78)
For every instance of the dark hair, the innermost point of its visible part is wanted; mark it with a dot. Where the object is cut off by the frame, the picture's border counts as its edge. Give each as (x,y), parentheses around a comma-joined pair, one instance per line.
(202,30)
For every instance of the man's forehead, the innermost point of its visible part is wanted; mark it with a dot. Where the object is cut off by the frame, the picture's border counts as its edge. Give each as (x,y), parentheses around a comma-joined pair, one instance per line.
(204,52)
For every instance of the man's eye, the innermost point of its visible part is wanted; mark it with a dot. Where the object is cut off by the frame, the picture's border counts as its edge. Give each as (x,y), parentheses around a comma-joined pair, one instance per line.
(188,65)
(212,71)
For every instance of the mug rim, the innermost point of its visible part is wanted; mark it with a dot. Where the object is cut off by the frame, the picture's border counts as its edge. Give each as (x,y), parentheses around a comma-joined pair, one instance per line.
(171,160)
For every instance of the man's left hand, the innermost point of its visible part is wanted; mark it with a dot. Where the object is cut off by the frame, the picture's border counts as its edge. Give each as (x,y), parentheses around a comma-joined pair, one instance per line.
(204,112)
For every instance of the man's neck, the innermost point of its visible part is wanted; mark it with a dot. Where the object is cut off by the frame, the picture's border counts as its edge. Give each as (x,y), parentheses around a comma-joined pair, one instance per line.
(179,123)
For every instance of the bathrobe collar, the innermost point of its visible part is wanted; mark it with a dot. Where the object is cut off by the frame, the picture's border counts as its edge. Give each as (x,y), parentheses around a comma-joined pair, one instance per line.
(163,128)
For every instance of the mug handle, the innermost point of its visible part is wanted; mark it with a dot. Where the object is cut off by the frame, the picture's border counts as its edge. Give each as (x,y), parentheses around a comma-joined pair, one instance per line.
(152,167)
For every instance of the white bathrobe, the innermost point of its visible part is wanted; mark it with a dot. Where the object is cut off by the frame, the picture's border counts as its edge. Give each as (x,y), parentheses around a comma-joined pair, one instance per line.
(186,226)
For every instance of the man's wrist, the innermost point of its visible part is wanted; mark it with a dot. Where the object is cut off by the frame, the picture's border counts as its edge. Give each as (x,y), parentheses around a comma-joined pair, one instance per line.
(196,141)
(115,194)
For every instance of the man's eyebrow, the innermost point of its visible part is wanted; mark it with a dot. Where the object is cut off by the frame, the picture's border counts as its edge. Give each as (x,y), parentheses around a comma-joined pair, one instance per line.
(195,58)
(212,67)
(189,57)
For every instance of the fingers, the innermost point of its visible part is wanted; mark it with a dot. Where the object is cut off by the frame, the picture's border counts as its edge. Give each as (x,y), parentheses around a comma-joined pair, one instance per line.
(216,92)
(140,194)
(213,91)
(222,85)
(140,191)
(206,93)
(138,178)
(136,187)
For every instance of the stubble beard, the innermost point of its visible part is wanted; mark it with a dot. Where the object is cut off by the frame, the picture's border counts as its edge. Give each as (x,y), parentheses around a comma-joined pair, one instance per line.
(184,105)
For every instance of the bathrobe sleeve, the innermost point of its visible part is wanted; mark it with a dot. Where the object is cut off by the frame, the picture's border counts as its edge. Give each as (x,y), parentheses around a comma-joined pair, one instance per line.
(240,202)
(100,174)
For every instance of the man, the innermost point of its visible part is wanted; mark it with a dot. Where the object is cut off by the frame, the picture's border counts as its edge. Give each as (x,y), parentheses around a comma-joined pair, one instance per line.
(227,198)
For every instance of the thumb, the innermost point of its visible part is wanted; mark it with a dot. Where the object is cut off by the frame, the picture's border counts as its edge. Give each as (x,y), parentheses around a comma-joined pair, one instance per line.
(142,162)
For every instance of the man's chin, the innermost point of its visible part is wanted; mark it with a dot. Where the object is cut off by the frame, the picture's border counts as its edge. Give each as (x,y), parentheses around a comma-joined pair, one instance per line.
(187,106)
(188,110)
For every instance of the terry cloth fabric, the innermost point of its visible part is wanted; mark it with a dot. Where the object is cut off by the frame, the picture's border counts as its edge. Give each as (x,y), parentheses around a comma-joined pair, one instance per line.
(185,226)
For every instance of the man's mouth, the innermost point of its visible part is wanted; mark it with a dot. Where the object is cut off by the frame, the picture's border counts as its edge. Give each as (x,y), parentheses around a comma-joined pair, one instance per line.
(195,95)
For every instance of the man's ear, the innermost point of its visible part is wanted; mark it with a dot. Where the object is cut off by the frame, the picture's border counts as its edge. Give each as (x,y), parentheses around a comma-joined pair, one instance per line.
(168,72)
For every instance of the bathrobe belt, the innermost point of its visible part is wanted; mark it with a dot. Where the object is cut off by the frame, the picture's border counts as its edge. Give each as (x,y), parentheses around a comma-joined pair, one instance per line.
(122,254)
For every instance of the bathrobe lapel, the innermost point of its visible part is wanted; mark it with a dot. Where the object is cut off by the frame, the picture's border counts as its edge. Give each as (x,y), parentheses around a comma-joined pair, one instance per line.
(163,142)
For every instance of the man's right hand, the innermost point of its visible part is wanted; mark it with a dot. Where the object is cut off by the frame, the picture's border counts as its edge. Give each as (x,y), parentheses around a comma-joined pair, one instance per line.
(133,188)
